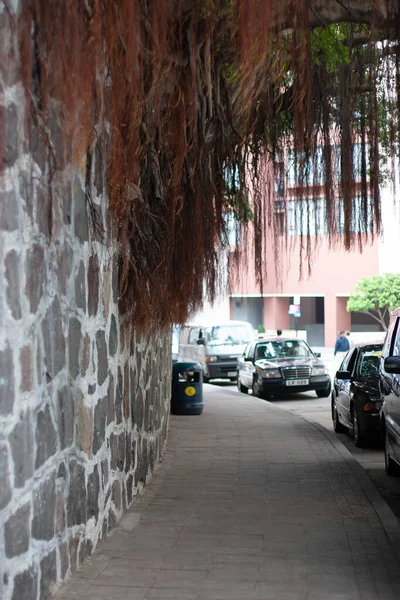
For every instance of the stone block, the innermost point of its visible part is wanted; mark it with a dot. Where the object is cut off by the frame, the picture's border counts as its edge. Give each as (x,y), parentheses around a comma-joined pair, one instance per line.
(5,481)
(11,137)
(60,512)
(74,347)
(117,448)
(85,550)
(126,402)
(93,491)
(106,291)
(66,417)
(9,213)
(35,272)
(12,264)
(48,574)
(93,285)
(102,362)
(73,553)
(113,340)
(10,66)
(64,268)
(119,397)
(26,362)
(115,277)
(122,334)
(111,400)
(138,409)
(64,559)
(7,381)
(104,472)
(22,448)
(46,437)
(26,192)
(37,146)
(44,506)
(100,418)
(84,426)
(25,585)
(76,503)
(80,211)
(116,494)
(85,355)
(53,337)
(44,210)
(80,287)
(17,532)
(129,490)
(128,452)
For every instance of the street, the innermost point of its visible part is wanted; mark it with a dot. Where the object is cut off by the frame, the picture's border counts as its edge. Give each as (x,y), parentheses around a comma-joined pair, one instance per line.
(318,410)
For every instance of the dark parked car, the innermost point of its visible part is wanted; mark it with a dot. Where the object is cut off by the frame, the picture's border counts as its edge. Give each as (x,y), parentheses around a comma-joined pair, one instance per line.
(355,396)
(281,366)
(390,394)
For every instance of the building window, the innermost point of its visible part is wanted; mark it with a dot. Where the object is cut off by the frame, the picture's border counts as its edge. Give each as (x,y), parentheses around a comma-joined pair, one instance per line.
(306,170)
(306,217)
(356,159)
(358,222)
(233,229)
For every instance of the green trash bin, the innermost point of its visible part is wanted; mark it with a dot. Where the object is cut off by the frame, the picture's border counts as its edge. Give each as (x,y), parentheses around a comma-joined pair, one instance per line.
(187,388)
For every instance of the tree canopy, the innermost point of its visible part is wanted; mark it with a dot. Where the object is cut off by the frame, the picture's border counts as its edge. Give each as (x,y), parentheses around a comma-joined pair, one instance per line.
(376,296)
(187,102)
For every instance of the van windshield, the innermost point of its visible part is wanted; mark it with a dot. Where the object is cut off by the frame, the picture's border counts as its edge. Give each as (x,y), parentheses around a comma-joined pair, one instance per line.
(225,335)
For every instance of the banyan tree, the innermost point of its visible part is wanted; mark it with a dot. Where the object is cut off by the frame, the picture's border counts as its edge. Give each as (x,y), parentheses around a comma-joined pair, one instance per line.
(190,104)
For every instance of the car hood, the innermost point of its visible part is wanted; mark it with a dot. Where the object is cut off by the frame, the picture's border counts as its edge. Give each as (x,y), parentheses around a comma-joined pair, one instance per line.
(277,363)
(233,350)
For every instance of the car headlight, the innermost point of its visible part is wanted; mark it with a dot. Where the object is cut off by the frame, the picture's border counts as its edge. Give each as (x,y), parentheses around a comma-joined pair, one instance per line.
(320,370)
(211,358)
(270,373)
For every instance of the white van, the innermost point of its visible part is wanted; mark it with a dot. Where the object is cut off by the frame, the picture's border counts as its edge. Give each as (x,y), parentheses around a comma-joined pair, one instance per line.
(215,346)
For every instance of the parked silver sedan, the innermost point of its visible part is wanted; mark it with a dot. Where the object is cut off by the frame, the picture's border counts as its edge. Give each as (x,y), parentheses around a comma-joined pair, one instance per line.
(278,365)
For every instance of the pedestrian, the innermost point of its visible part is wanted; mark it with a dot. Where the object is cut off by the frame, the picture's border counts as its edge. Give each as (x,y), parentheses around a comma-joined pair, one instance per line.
(342,345)
(279,332)
(349,338)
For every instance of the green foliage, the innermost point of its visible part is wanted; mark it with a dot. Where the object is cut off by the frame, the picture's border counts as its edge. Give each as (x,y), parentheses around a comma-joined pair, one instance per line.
(379,294)
(328,46)
(261,329)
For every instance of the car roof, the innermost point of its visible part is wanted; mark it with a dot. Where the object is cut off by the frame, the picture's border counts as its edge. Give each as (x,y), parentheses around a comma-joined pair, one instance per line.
(206,324)
(368,345)
(279,338)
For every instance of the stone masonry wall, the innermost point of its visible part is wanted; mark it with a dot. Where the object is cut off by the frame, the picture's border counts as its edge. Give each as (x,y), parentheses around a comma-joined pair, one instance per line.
(84,403)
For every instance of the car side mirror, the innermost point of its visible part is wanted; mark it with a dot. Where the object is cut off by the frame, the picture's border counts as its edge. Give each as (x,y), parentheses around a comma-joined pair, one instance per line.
(317,354)
(201,342)
(343,375)
(392,364)
(248,359)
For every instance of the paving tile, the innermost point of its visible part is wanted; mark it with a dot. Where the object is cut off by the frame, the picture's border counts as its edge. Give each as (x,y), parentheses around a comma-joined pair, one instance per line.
(250,503)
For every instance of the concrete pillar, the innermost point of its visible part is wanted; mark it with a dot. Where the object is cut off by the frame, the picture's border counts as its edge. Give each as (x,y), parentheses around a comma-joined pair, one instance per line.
(336,318)
(276,313)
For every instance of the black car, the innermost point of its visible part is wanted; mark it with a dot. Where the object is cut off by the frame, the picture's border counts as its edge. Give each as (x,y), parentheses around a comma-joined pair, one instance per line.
(390,395)
(355,396)
(278,365)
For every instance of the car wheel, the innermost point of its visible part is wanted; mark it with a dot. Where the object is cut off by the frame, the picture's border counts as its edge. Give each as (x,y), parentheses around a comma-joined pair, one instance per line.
(324,393)
(358,435)
(255,390)
(242,388)
(205,379)
(337,426)
(391,466)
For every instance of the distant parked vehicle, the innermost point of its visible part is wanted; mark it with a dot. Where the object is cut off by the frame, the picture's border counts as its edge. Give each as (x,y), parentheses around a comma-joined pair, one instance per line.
(355,396)
(390,394)
(215,346)
(279,365)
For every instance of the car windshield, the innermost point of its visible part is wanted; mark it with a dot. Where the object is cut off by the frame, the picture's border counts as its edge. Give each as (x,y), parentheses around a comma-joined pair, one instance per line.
(225,335)
(283,349)
(369,366)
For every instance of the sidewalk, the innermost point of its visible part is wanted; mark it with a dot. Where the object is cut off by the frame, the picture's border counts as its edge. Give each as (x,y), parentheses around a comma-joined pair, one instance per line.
(251,502)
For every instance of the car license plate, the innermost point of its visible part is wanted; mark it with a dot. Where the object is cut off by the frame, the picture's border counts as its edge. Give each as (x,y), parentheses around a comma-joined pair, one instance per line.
(232,374)
(297,382)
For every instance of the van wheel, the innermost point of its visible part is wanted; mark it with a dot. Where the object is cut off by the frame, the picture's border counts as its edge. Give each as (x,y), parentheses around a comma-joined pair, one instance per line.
(359,438)
(205,379)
